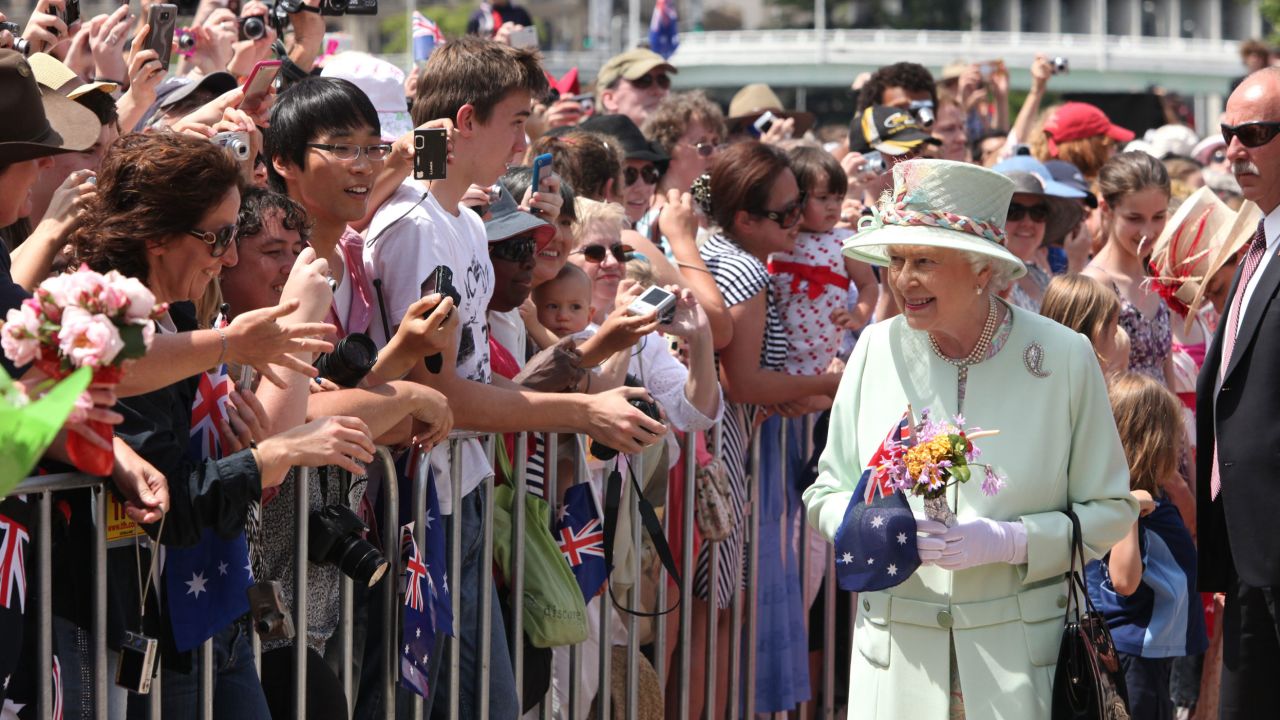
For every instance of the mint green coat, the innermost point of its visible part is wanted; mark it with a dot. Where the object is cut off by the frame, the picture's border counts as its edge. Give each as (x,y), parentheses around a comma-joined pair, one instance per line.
(1058,446)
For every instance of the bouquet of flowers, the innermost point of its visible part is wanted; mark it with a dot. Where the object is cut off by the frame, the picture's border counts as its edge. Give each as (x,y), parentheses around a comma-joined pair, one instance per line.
(83,319)
(937,456)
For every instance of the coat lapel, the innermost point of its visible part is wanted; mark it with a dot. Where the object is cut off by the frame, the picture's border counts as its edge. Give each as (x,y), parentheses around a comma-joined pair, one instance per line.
(1262,294)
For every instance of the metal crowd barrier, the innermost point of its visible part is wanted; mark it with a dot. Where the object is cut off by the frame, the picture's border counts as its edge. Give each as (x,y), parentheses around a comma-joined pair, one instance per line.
(561,700)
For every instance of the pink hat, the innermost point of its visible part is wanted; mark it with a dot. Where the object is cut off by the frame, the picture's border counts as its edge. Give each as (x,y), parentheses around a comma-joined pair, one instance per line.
(1076,121)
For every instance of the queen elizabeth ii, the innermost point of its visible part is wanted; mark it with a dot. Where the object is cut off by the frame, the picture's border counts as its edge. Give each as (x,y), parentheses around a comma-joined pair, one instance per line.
(974,632)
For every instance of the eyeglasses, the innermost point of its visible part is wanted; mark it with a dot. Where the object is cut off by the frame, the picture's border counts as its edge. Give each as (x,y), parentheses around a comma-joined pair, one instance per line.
(1251,134)
(218,240)
(347,151)
(646,81)
(705,149)
(788,216)
(648,173)
(596,253)
(1037,213)
(517,249)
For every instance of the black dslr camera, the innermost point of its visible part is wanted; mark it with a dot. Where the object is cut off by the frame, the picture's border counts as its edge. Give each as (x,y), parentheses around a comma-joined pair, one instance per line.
(335,539)
(352,358)
(603,452)
(348,7)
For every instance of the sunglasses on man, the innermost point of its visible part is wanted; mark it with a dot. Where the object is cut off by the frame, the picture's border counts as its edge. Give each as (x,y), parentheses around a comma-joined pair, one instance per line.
(648,173)
(596,253)
(218,240)
(1251,134)
(788,216)
(646,81)
(1038,213)
(517,249)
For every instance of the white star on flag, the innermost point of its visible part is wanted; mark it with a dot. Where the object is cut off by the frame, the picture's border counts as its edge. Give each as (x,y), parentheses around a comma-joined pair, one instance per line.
(562,513)
(418,632)
(196,584)
(426,659)
(902,538)
(222,568)
(892,569)
(877,521)
(428,520)
(406,648)
(11,710)
(846,558)
(870,561)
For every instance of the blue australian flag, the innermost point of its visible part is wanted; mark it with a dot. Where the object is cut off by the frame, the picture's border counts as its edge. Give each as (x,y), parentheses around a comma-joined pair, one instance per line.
(875,546)
(419,640)
(580,536)
(207,583)
(664,29)
(426,36)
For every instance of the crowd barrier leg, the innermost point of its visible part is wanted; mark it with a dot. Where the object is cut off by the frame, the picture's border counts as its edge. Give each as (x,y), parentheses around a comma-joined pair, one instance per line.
(711,699)
(206,680)
(346,644)
(690,460)
(486,579)
(455,572)
(829,646)
(604,657)
(516,631)
(157,687)
(302,506)
(390,599)
(660,599)
(419,499)
(100,699)
(551,447)
(44,640)
(633,622)
(255,643)
(575,652)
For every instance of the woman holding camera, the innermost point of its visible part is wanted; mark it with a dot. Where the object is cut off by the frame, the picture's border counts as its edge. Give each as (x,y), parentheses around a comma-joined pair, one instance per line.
(166,213)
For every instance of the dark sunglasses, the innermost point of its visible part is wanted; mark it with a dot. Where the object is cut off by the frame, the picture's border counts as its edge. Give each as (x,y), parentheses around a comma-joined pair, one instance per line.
(648,173)
(1251,134)
(596,253)
(1037,213)
(219,240)
(517,249)
(646,81)
(788,216)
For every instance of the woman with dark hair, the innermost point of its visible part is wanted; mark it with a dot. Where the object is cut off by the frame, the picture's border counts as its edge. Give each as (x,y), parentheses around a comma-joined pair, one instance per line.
(756,206)
(166,213)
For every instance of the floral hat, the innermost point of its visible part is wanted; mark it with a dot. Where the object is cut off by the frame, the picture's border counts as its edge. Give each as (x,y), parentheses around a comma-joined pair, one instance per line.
(1182,251)
(939,203)
(1225,244)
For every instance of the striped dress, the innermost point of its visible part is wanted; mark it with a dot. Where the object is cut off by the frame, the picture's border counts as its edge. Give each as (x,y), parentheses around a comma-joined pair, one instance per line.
(739,276)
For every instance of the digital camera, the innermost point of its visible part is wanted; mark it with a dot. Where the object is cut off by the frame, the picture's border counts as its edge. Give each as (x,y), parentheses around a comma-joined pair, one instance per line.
(336,539)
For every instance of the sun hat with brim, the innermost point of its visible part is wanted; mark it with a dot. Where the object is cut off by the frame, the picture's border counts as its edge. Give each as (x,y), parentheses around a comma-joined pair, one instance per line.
(218,83)
(889,130)
(630,65)
(939,203)
(51,73)
(1224,246)
(1078,120)
(382,82)
(1048,185)
(38,123)
(755,100)
(1070,175)
(1032,177)
(635,146)
(507,220)
(1203,151)
(1182,251)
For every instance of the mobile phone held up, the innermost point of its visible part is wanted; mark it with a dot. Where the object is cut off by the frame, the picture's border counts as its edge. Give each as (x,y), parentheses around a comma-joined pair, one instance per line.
(763,123)
(163,20)
(430,153)
(525,37)
(258,83)
(439,281)
(655,299)
(540,163)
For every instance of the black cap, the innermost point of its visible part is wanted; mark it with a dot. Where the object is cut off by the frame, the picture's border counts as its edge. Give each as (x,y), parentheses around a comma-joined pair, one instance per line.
(890,130)
(634,144)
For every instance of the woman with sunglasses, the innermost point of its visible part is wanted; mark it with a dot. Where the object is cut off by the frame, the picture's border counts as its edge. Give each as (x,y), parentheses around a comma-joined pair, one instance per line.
(1133,190)
(166,213)
(756,206)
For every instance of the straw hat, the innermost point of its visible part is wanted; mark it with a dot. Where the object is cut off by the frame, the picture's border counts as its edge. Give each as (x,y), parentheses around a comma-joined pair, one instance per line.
(939,203)
(1226,244)
(1182,251)
(52,73)
(754,100)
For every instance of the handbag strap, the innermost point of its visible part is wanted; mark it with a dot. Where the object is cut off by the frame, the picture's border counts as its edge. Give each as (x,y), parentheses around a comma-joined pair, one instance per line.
(649,518)
(1075,577)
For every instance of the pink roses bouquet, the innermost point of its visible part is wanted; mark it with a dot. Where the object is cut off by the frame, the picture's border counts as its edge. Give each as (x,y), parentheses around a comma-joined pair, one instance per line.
(83,319)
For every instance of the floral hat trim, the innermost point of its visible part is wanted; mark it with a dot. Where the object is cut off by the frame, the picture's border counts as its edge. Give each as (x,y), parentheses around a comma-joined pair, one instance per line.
(899,215)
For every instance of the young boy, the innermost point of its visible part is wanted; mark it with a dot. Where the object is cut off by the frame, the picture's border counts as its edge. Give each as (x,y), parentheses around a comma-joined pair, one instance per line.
(486,90)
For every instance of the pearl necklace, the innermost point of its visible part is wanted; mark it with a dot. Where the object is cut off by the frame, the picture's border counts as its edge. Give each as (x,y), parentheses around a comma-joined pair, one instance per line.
(977,355)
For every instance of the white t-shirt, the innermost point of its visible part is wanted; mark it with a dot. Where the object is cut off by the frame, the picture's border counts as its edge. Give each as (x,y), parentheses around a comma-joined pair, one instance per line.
(410,236)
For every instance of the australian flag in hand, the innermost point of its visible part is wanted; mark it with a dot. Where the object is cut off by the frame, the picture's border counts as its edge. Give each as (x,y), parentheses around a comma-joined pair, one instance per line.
(426,36)
(875,545)
(581,538)
(663,29)
(207,583)
(419,639)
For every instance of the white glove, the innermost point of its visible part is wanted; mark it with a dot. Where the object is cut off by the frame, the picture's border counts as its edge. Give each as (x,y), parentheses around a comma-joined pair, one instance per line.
(971,543)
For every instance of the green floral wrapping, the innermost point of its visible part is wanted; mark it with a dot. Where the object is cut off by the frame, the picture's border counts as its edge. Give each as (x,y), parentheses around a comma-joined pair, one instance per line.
(27,429)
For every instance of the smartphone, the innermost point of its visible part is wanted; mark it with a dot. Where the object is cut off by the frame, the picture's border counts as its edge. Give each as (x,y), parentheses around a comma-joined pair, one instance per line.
(586,102)
(525,37)
(71,13)
(655,299)
(439,281)
(258,84)
(430,153)
(539,163)
(763,123)
(247,379)
(163,20)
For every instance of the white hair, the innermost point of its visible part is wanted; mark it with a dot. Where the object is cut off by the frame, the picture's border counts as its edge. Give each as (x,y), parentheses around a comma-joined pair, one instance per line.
(1001,272)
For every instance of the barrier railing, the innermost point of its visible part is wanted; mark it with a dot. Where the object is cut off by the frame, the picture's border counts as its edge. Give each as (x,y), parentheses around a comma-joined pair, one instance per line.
(564,696)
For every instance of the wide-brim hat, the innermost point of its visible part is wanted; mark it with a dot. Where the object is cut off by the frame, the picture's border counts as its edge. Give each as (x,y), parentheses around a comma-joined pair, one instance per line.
(381,82)
(756,99)
(1032,177)
(52,73)
(1226,244)
(1203,151)
(507,220)
(38,123)
(1182,251)
(939,203)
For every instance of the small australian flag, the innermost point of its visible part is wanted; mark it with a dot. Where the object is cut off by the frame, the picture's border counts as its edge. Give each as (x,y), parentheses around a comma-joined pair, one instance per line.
(580,536)
(875,546)
(419,639)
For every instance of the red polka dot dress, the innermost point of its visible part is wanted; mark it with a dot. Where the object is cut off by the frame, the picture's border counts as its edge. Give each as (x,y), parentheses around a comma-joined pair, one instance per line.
(810,284)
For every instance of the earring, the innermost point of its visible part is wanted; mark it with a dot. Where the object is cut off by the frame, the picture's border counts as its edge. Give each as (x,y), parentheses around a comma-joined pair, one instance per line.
(977,289)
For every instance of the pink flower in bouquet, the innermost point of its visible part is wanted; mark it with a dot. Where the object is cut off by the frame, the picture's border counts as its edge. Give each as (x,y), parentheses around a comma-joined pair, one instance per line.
(20,335)
(88,340)
(141,301)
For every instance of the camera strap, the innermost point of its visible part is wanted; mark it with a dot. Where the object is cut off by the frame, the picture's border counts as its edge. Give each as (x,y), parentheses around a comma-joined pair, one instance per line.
(649,518)
(145,587)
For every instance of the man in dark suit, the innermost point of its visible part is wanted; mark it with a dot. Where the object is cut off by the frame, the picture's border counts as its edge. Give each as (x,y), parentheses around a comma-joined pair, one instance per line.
(1238,422)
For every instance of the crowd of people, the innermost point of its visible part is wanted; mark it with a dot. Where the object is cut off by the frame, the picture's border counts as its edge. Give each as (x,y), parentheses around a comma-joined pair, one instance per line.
(647,275)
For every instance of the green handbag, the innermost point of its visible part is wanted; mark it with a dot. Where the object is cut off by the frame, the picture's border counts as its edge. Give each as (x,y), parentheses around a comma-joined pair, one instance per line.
(555,613)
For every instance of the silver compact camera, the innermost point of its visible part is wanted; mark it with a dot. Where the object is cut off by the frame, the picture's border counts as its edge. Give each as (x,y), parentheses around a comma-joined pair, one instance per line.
(236,143)
(137,663)
(1061,65)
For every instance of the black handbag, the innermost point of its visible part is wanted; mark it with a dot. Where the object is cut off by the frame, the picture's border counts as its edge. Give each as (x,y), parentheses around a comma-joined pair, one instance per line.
(1089,682)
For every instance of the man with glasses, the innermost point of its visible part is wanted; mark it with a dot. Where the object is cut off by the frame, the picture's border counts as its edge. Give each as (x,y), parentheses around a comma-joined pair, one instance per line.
(1235,421)
(634,83)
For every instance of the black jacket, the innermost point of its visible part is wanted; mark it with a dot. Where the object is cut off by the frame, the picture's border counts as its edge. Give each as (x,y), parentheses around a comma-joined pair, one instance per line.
(1237,531)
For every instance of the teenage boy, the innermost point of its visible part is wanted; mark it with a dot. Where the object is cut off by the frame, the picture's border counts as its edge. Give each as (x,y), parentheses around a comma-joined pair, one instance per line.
(486,90)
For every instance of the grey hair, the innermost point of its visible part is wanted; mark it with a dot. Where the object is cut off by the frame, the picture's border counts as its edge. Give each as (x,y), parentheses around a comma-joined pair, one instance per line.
(1001,272)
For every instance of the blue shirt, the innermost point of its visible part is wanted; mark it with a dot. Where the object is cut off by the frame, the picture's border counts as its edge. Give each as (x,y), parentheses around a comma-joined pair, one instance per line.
(1162,618)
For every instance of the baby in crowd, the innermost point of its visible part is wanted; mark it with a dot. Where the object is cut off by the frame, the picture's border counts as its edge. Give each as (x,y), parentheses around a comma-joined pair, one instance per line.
(564,305)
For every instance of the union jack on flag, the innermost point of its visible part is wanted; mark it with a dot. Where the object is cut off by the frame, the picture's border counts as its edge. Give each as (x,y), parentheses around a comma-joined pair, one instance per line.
(209,406)
(426,36)
(581,538)
(13,572)
(890,450)
(415,572)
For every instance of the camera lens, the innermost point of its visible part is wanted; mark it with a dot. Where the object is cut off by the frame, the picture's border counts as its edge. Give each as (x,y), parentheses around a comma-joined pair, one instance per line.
(186,40)
(335,539)
(352,358)
(334,7)
(252,28)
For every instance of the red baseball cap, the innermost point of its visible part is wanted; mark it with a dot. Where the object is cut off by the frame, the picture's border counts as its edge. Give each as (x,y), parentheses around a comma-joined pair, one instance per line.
(1076,121)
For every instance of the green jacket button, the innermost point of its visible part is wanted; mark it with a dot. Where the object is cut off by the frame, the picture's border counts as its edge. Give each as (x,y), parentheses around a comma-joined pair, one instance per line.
(866,605)
(1062,601)
(944,619)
